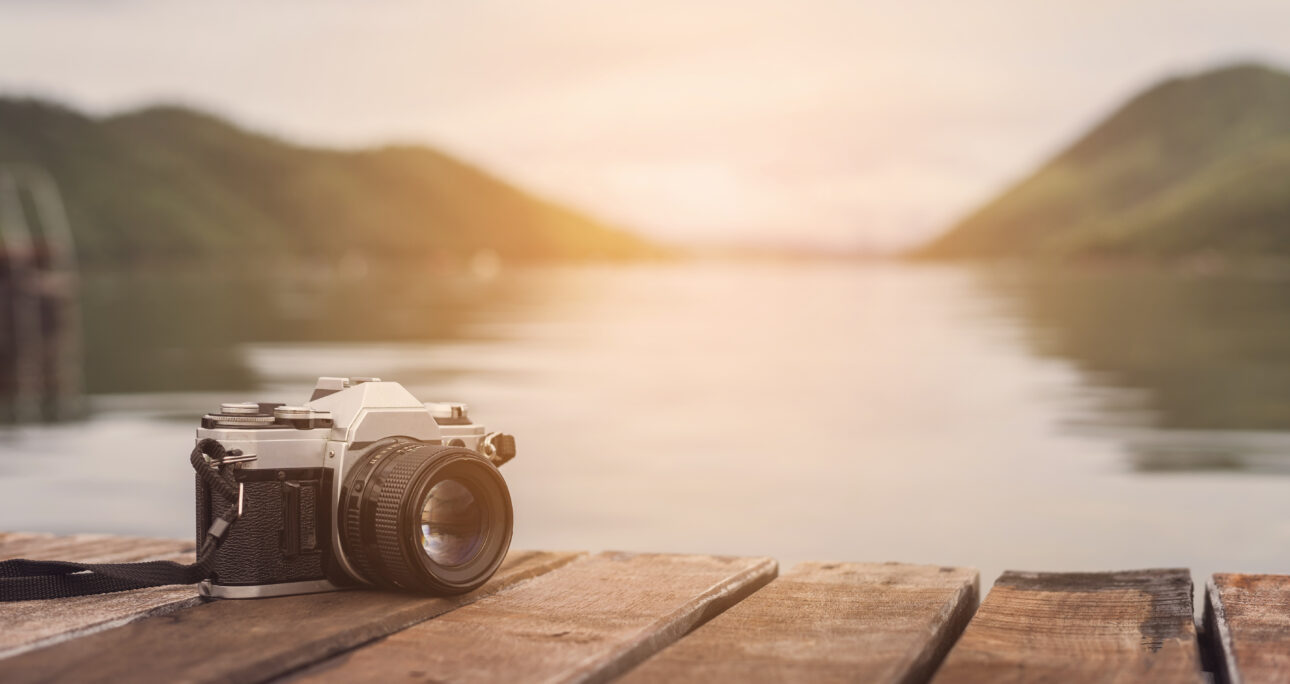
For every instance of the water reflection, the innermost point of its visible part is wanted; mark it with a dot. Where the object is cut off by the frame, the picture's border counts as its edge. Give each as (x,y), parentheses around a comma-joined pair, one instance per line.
(1189,370)
(1186,371)
(182,331)
(806,411)
(40,334)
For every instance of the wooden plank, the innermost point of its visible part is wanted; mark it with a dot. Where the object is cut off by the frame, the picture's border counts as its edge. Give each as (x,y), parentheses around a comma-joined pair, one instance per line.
(19,537)
(828,622)
(1249,617)
(101,548)
(252,640)
(590,621)
(1133,626)
(26,625)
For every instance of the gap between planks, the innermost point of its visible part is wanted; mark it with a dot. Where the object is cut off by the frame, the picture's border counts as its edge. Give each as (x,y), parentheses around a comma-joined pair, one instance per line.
(828,622)
(1131,626)
(1248,618)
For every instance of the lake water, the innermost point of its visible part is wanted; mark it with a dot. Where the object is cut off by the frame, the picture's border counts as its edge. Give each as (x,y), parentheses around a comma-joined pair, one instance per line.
(930,414)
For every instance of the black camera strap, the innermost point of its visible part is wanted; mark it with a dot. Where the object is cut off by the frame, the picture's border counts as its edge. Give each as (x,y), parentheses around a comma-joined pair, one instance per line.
(27,580)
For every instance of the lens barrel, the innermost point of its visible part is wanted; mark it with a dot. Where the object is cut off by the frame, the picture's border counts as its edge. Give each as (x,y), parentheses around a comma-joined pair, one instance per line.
(425,518)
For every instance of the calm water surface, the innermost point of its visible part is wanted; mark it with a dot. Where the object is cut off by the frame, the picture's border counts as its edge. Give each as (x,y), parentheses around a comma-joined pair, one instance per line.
(878,412)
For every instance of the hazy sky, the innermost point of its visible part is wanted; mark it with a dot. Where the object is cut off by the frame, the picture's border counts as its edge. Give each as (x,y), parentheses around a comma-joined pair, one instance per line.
(838,123)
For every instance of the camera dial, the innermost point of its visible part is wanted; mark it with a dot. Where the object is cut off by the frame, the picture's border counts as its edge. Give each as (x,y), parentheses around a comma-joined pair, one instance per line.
(242,414)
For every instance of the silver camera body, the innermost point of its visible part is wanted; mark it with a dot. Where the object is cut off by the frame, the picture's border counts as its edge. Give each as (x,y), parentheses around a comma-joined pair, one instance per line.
(307,511)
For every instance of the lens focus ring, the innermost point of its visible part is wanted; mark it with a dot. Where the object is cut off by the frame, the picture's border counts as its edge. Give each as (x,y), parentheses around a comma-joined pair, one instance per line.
(396,480)
(366,561)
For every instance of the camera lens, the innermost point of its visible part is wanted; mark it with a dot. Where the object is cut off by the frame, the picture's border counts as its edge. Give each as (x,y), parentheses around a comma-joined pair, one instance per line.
(452,524)
(423,517)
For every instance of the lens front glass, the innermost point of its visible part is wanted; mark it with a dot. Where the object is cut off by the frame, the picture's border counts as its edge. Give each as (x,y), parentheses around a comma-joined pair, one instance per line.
(453,524)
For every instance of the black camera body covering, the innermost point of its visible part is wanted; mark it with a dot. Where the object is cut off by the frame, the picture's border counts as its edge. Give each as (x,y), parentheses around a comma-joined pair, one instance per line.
(362,485)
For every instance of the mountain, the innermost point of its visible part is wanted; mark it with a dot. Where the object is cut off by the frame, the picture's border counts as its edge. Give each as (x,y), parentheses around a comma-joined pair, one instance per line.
(1194,165)
(169,184)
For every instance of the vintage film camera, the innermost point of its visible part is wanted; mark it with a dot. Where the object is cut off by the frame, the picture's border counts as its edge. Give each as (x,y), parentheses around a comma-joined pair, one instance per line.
(362,485)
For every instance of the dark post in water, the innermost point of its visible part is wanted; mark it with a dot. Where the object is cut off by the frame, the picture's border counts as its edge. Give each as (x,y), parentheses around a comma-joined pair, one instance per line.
(40,336)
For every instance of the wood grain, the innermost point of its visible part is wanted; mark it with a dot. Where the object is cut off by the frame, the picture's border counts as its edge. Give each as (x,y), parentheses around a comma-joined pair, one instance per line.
(588,622)
(1133,626)
(828,622)
(1249,617)
(252,640)
(27,625)
(87,547)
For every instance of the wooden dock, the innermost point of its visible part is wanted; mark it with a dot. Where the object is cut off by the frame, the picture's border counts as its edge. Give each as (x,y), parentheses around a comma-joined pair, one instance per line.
(576,617)
(40,320)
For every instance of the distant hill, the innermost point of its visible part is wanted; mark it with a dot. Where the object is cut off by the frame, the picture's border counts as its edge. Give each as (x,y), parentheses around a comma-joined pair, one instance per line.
(1195,165)
(173,184)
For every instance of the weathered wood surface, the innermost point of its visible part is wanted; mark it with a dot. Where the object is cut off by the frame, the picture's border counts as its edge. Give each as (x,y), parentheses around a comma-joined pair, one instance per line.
(588,622)
(825,622)
(1249,617)
(569,617)
(31,624)
(251,640)
(1133,626)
